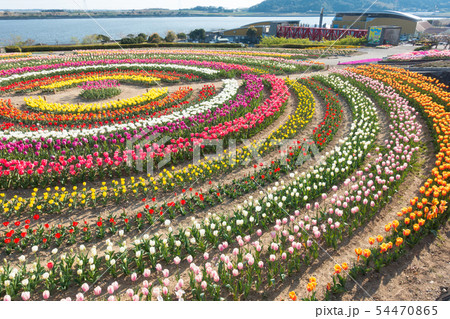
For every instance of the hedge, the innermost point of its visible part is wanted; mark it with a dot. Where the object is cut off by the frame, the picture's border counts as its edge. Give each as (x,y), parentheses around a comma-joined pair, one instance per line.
(305,46)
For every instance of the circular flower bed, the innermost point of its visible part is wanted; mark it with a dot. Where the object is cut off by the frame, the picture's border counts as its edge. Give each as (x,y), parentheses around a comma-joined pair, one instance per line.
(100,90)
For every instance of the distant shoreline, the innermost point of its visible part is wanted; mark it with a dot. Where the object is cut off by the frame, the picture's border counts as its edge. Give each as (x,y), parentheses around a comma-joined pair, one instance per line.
(84,16)
(170,14)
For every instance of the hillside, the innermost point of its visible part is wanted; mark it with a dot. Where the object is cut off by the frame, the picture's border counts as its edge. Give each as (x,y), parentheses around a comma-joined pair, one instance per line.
(286,6)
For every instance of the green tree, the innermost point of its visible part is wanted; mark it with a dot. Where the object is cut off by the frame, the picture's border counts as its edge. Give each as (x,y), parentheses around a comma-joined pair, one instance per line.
(170,37)
(182,36)
(252,34)
(103,38)
(197,35)
(128,40)
(141,38)
(154,38)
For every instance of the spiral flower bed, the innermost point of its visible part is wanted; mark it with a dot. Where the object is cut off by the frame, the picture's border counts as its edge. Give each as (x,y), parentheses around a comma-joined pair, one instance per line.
(253,174)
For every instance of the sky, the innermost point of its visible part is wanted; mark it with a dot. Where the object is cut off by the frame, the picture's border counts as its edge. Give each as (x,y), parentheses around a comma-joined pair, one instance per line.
(122,4)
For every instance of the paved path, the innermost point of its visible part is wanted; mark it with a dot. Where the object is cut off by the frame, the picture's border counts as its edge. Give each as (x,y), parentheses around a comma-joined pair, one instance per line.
(369,53)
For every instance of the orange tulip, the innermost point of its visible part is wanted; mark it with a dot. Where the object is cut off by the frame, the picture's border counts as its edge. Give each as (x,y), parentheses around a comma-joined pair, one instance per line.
(395,224)
(310,287)
(387,227)
(293,296)
(379,238)
(399,241)
(358,252)
(366,253)
(371,240)
(407,221)
(344,266)
(406,232)
(337,269)
(416,227)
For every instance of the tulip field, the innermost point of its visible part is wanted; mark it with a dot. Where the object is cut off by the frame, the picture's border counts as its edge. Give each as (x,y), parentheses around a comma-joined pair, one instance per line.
(200,174)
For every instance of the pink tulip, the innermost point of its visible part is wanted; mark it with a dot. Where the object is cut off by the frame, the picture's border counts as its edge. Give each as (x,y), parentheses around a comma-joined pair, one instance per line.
(97,290)
(80,297)
(85,287)
(46,294)
(110,289)
(130,292)
(7,298)
(133,276)
(25,295)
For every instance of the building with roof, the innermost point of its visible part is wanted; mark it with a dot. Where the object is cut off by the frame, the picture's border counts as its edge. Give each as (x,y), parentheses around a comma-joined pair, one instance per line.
(410,24)
(263,29)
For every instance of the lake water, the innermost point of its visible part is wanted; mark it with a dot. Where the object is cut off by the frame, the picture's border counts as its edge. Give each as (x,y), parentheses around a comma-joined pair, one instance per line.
(61,31)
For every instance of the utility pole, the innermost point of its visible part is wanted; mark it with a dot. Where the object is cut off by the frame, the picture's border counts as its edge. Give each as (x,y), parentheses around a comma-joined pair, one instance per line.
(321,18)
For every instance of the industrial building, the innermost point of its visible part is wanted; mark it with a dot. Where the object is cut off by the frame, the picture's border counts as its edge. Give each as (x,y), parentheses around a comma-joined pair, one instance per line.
(410,24)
